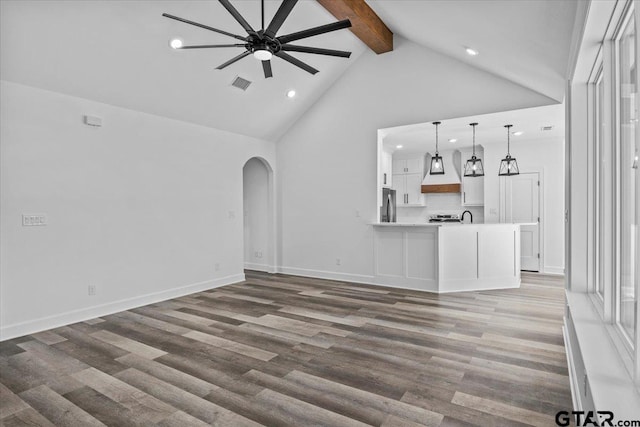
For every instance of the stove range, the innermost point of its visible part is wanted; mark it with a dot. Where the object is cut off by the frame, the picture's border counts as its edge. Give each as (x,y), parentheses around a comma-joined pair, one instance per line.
(444,218)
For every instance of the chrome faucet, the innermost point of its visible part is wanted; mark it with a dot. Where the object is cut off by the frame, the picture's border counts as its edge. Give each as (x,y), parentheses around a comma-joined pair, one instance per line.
(470,216)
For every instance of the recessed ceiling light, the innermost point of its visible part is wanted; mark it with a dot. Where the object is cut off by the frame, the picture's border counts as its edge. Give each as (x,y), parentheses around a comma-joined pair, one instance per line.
(176,43)
(471,52)
(291,93)
(398,146)
(518,133)
(453,140)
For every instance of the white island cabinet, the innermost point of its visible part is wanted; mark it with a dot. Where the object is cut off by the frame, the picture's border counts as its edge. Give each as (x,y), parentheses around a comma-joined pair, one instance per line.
(447,257)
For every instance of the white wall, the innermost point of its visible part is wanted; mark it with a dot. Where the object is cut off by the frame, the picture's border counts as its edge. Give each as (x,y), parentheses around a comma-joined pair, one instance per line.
(257,248)
(547,158)
(327,160)
(141,208)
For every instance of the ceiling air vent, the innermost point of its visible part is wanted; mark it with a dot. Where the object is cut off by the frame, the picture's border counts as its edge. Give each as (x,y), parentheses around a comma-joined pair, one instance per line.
(240,83)
(545,128)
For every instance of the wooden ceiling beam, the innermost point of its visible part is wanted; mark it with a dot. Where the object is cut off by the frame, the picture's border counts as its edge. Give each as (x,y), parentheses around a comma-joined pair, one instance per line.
(366,24)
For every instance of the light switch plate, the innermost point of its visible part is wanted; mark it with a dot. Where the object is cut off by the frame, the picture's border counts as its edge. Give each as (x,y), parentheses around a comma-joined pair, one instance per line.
(31,220)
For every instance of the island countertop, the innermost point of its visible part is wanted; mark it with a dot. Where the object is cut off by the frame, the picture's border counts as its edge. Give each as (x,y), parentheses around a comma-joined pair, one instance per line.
(447,257)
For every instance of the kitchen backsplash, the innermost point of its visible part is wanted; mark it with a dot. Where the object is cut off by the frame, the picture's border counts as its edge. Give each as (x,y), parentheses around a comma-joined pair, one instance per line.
(445,203)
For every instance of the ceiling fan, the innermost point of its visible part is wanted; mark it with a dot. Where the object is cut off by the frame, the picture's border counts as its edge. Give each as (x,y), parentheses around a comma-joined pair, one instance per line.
(264,43)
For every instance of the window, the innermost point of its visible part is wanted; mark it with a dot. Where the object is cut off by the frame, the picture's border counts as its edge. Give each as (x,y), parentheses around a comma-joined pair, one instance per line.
(626,148)
(598,167)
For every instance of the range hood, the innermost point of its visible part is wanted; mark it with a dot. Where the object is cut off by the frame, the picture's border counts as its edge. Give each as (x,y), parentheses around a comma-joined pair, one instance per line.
(449,182)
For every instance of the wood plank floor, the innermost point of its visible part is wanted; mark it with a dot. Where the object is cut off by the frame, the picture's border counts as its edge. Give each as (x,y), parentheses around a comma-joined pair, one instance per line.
(281,350)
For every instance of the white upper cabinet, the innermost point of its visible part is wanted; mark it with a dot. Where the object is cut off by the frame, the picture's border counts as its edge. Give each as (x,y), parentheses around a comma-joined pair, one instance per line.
(412,165)
(408,173)
(472,192)
(386,174)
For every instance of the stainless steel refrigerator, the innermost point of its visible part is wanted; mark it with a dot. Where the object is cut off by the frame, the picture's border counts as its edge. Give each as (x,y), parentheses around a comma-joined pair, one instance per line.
(388,208)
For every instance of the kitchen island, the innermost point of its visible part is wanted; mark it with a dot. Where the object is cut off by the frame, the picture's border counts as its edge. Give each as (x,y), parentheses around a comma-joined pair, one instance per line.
(446,257)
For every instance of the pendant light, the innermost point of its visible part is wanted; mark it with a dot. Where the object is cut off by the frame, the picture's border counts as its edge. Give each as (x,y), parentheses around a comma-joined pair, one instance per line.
(508,165)
(473,167)
(437,166)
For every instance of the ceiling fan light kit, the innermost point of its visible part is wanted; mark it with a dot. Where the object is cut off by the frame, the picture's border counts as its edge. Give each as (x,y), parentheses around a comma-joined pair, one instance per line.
(264,44)
(508,165)
(473,167)
(437,165)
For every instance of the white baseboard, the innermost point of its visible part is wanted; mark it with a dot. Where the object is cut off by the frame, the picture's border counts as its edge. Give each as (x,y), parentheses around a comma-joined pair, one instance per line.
(258,267)
(80,315)
(575,390)
(553,270)
(329,275)
(380,280)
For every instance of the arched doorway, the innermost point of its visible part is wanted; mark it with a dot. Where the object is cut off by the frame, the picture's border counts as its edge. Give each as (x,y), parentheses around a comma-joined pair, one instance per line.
(259,249)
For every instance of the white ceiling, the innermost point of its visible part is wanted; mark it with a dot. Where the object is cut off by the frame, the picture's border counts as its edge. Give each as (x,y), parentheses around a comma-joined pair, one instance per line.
(525,41)
(117,52)
(421,137)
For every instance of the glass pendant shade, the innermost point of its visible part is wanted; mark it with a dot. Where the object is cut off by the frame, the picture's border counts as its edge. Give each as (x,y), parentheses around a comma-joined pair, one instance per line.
(508,165)
(473,167)
(437,165)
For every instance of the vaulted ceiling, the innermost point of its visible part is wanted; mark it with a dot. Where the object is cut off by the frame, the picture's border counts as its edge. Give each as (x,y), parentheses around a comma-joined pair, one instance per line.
(524,41)
(117,52)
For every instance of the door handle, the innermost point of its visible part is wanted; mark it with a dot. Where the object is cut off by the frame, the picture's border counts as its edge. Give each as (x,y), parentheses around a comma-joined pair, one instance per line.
(464,197)
(384,179)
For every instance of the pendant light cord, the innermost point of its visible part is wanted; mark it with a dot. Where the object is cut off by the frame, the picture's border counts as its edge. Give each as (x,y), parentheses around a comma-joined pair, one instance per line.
(508,140)
(262,15)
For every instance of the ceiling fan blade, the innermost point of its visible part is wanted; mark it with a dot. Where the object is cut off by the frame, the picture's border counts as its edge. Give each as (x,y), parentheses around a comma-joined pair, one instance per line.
(207,46)
(232,60)
(296,62)
(281,15)
(206,27)
(266,67)
(234,12)
(314,31)
(316,50)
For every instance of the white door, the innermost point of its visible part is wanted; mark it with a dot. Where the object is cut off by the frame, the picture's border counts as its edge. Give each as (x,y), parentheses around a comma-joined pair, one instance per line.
(399,166)
(521,203)
(413,165)
(400,185)
(473,191)
(413,188)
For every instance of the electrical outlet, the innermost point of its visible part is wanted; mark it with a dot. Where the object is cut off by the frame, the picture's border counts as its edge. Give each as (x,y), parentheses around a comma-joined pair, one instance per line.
(255,254)
(338,261)
(357,214)
(259,254)
(34,220)
(216,266)
(232,214)
(91,289)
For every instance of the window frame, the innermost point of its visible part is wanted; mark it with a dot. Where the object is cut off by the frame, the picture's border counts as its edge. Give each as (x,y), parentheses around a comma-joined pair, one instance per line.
(630,342)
